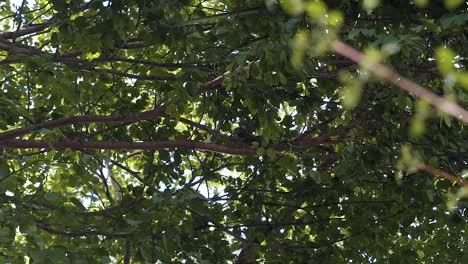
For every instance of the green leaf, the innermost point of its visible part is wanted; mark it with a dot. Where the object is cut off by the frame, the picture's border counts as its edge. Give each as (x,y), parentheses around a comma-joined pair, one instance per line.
(351,92)
(316,10)
(51,197)
(4,169)
(171,109)
(6,236)
(271,153)
(134,223)
(164,154)
(299,46)
(462,78)
(28,226)
(453,20)
(142,98)
(445,58)
(260,151)
(451,4)
(370,4)
(421,3)
(293,7)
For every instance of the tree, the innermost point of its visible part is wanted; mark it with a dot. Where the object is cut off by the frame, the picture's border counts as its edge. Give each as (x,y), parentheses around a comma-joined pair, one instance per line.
(233,131)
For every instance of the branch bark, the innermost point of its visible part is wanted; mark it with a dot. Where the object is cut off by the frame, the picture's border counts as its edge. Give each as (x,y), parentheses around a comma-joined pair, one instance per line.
(48,229)
(26,30)
(184,144)
(133,117)
(394,77)
(241,149)
(128,248)
(443,175)
(158,112)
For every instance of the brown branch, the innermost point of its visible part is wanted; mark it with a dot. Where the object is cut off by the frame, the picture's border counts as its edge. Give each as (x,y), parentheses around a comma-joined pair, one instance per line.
(241,149)
(26,31)
(135,76)
(443,175)
(134,117)
(19,48)
(394,77)
(124,205)
(48,229)
(80,145)
(212,84)
(128,248)
(148,62)
(8,62)
(72,61)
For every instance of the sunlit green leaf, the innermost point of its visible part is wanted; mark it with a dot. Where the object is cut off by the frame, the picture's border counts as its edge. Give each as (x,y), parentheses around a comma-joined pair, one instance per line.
(445,59)
(452,3)
(293,7)
(370,4)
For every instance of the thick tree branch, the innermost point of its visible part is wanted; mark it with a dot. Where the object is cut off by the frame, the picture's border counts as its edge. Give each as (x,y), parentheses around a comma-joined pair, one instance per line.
(134,117)
(150,63)
(213,18)
(79,145)
(19,49)
(214,83)
(48,229)
(128,250)
(26,30)
(122,206)
(136,76)
(394,77)
(241,149)
(76,63)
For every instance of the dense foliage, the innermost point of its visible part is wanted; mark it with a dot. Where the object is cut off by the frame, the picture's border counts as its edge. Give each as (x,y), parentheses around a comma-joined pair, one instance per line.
(202,131)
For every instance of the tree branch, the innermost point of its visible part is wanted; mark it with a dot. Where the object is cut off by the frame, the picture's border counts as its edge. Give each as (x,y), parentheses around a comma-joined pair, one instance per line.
(150,63)
(394,77)
(79,145)
(134,117)
(241,149)
(26,30)
(48,229)
(443,175)
(128,248)
(135,76)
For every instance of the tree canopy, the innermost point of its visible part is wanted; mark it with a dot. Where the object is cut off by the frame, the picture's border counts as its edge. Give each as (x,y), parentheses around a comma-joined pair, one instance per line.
(247,131)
